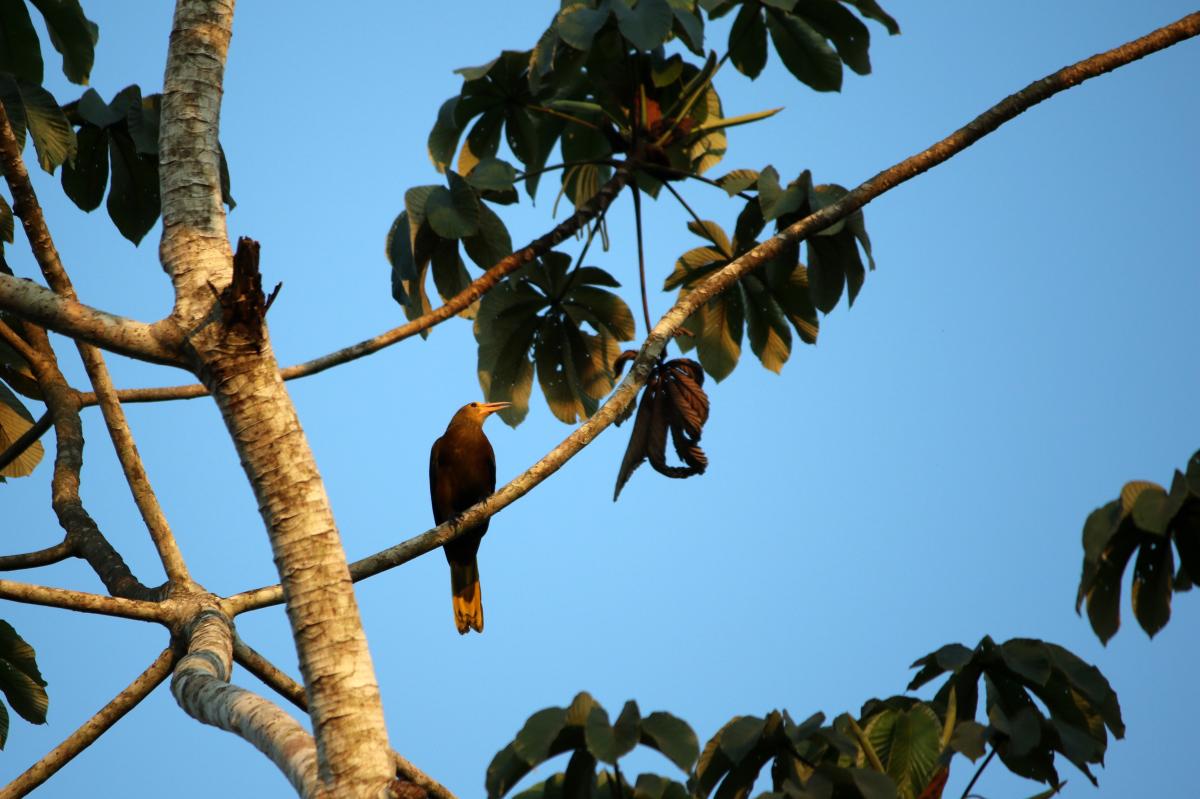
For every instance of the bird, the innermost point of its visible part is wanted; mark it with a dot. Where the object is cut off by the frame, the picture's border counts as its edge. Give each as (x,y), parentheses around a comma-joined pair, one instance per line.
(462,472)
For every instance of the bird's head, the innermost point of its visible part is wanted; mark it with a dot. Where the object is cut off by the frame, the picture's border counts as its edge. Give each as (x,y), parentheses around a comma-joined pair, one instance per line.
(478,411)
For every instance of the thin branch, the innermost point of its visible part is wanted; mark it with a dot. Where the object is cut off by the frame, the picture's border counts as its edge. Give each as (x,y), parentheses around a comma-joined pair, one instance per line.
(480,286)
(26,439)
(201,687)
(135,471)
(93,728)
(720,280)
(289,689)
(26,206)
(978,772)
(82,601)
(13,340)
(695,216)
(43,557)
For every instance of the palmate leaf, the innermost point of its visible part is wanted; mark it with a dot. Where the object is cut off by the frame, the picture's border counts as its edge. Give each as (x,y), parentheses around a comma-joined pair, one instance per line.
(536,317)
(20,50)
(30,107)
(20,680)
(1144,521)
(1082,706)
(583,729)
(908,743)
(15,420)
(72,34)
(761,304)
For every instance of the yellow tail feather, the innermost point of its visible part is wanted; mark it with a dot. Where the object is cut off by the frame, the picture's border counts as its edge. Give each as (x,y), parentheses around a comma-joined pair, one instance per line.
(467,596)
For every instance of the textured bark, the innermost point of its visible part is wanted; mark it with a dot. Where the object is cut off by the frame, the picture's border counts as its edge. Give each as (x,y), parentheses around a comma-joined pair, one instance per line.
(240,372)
(201,687)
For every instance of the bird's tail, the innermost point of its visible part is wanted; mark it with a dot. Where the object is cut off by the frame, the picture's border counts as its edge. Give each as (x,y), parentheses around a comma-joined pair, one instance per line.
(468,598)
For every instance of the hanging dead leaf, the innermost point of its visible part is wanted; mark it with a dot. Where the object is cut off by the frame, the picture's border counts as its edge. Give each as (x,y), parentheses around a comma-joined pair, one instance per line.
(674,402)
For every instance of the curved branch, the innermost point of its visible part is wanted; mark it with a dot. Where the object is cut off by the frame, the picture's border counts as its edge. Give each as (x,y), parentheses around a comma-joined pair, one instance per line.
(43,557)
(83,601)
(593,208)
(723,278)
(93,728)
(46,254)
(274,677)
(201,687)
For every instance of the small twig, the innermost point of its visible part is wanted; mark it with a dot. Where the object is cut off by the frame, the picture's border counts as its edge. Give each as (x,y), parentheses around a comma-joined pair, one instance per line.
(26,439)
(690,210)
(82,601)
(93,728)
(42,557)
(978,772)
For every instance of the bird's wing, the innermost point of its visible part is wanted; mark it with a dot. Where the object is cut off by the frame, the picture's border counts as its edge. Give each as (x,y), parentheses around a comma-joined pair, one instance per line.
(438,516)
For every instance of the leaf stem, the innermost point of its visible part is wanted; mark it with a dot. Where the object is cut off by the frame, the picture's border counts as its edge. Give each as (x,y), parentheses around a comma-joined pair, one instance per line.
(637,220)
(978,772)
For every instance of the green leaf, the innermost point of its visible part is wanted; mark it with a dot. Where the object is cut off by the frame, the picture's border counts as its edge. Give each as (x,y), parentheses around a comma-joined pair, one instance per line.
(1149,510)
(453,213)
(580,777)
(532,743)
(1152,579)
(20,51)
(505,770)
(848,34)
(748,41)
(599,735)
(647,24)
(601,308)
(970,739)
(720,340)
(53,137)
(450,275)
(85,178)
(672,737)
(72,34)
(804,51)
(689,26)
(908,743)
(443,139)
(737,181)
(577,24)
(3,725)
(740,736)
(872,10)
(770,337)
(15,420)
(483,140)
(505,326)
(20,679)
(788,285)
(711,231)
(492,243)
(627,729)
(133,201)
(873,785)
(494,175)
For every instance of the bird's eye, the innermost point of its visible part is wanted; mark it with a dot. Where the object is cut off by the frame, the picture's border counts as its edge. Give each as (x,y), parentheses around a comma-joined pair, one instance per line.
(474,404)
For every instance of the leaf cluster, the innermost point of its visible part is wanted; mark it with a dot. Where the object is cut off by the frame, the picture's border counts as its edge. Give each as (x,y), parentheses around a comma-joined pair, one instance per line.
(1146,519)
(425,237)
(584,730)
(1040,701)
(812,40)
(540,316)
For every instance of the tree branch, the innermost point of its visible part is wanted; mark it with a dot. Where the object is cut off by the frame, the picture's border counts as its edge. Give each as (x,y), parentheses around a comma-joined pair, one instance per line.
(157,343)
(201,687)
(26,206)
(43,557)
(289,689)
(82,601)
(93,728)
(592,209)
(725,277)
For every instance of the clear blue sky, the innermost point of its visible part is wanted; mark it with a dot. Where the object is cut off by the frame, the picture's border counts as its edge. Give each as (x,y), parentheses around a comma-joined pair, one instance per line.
(920,477)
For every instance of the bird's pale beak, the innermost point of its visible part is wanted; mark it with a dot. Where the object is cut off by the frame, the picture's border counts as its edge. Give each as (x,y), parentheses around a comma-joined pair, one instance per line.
(492,407)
